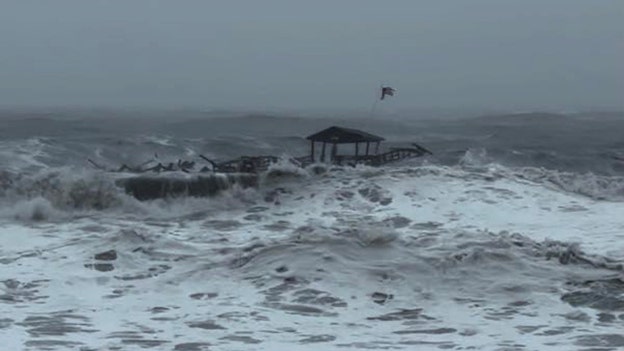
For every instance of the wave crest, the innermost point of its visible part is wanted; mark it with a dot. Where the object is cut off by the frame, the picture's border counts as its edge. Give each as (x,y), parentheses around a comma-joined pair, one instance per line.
(64,189)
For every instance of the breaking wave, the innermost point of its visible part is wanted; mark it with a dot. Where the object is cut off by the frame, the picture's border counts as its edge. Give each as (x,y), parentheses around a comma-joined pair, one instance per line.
(64,188)
(598,187)
(55,193)
(594,186)
(71,190)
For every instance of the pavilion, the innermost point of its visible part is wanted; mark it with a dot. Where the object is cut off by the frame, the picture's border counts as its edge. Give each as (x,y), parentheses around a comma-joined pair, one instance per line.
(339,135)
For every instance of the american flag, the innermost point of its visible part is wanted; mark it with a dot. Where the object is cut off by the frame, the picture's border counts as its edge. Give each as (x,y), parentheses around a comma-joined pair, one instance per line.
(387,91)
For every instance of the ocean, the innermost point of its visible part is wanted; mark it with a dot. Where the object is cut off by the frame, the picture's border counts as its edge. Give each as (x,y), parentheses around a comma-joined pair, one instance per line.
(509,237)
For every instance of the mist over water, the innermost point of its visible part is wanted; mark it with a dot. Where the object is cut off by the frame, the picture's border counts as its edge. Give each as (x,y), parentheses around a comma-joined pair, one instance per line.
(508,237)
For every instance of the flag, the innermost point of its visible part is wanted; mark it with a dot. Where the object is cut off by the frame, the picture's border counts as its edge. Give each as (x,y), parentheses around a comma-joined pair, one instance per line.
(387,91)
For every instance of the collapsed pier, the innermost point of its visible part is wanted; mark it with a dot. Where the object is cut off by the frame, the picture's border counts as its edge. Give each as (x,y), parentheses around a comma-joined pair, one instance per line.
(207,177)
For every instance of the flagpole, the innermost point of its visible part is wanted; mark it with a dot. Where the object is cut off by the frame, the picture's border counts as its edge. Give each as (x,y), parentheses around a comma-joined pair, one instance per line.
(374,107)
(372,111)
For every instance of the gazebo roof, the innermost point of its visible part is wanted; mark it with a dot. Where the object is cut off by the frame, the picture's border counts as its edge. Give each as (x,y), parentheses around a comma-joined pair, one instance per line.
(340,135)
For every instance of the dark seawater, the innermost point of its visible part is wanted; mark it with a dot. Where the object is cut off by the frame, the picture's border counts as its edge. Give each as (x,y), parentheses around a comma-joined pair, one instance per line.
(573,143)
(509,237)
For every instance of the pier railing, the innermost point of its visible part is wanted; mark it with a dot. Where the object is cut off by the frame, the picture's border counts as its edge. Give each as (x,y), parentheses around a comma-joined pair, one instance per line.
(256,164)
(393,155)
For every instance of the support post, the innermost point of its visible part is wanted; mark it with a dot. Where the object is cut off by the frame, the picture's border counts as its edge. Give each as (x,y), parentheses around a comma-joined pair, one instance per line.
(357,146)
(367,147)
(312,150)
(323,153)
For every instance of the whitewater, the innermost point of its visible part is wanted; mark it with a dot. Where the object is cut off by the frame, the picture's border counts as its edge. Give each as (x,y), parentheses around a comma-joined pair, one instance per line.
(510,237)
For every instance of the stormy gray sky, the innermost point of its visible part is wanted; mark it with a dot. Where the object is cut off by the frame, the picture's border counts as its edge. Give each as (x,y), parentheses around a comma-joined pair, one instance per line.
(290,54)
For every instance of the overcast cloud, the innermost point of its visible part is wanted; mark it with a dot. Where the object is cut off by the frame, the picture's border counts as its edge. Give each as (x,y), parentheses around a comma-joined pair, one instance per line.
(269,54)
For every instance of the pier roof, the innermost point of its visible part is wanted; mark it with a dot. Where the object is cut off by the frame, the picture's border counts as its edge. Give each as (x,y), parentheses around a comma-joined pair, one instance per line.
(340,135)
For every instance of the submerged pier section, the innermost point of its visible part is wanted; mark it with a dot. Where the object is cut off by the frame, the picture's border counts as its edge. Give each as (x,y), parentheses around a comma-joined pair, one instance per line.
(146,187)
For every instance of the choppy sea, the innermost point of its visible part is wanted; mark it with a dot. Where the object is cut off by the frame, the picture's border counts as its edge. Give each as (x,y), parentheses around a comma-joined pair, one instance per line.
(510,237)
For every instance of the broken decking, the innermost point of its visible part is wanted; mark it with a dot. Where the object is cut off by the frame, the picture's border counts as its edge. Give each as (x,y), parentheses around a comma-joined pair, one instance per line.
(208,177)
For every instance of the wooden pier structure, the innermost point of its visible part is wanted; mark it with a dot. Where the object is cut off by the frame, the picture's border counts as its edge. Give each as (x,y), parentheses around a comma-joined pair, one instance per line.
(335,136)
(365,148)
